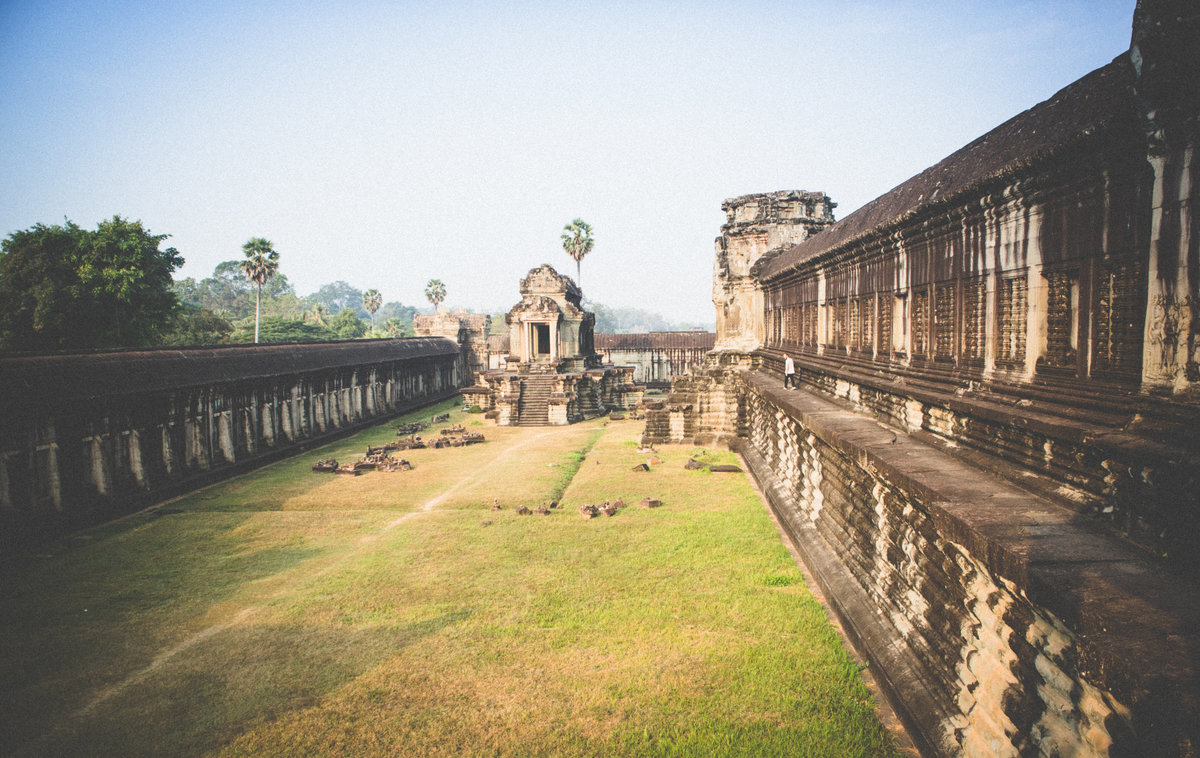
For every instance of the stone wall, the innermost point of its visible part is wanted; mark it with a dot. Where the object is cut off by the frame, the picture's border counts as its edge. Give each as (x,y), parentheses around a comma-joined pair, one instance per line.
(757,227)
(86,437)
(569,397)
(656,357)
(992,464)
(1002,624)
(469,330)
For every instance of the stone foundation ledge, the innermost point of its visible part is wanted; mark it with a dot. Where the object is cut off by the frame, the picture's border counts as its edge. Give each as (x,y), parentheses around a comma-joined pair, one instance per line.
(1132,463)
(1136,627)
(1110,422)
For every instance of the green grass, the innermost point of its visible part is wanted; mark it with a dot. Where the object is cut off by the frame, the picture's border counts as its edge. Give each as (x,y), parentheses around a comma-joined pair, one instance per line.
(291,613)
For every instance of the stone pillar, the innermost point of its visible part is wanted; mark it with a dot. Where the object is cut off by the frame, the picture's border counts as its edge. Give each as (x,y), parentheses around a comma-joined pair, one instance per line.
(1162,54)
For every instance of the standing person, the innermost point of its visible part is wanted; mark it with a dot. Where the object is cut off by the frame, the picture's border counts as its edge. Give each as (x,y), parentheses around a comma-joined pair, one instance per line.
(789,372)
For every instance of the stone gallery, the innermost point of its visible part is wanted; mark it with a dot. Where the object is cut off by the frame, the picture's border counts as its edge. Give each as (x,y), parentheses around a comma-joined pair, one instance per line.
(993,461)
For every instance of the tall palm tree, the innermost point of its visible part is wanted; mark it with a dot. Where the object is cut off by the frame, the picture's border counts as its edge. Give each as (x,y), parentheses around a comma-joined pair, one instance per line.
(371,301)
(262,262)
(435,292)
(577,241)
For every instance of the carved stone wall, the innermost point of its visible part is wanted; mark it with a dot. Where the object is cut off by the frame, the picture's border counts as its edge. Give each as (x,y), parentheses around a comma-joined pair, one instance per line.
(992,463)
(90,436)
(1002,625)
(757,226)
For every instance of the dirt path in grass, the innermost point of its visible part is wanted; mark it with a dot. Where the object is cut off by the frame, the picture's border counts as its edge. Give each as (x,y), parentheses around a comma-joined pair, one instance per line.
(169,654)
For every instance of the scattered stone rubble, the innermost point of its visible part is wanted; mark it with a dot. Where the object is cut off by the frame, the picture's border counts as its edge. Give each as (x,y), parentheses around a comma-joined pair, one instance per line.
(377,459)
(381,459)
(724,468)
(467,438)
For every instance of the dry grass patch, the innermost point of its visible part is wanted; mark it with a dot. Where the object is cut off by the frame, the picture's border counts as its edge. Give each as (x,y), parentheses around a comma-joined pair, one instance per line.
(360,623)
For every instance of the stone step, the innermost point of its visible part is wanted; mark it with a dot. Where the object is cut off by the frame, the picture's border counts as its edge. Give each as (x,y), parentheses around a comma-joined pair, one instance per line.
(534,406)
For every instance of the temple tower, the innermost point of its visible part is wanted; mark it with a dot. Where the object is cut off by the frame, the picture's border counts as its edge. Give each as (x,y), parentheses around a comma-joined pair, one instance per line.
(756,228)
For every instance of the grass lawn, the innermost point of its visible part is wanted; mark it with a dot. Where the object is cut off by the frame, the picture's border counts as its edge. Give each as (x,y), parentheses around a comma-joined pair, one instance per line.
(291,613)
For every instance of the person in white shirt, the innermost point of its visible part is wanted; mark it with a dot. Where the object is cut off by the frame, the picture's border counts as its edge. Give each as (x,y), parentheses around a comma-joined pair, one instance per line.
(789,372)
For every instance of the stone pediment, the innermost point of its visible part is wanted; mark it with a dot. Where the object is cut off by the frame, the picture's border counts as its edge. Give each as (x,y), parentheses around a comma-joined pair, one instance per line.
(536,304)
(544,280)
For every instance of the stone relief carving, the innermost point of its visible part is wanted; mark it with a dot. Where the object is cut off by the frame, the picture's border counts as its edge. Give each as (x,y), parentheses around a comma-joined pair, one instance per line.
(1166,317)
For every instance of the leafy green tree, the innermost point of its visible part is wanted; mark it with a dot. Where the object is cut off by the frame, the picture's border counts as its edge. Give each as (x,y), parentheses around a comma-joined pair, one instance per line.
(371,301)
(577,242)
(347,325)
(394,311)
(279,286)
(261,263)
(395,327)
(187,291)
(286,305)
(198,326)
(226,292)
(337,297)
(435,292)
(281,329)
(66,287)
(317,314)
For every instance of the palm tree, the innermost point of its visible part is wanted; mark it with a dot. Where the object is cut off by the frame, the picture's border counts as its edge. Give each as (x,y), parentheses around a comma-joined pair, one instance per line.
(577,241)
(435,292)
(318,313)
(262,262)
(371,301)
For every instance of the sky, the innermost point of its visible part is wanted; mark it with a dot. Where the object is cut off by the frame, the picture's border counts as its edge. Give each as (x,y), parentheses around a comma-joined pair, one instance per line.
(389,143)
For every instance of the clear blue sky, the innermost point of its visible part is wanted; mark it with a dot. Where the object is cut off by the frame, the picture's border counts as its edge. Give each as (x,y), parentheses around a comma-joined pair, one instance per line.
(387,143)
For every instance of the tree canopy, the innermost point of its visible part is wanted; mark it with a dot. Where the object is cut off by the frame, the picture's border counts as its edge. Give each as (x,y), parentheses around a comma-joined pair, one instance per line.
(65,287)
(371,301)
(435,292)
(577,242)
(338,296)
(261,263)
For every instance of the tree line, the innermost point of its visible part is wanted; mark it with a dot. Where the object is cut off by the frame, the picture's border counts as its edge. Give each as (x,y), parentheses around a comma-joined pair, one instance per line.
(64,287)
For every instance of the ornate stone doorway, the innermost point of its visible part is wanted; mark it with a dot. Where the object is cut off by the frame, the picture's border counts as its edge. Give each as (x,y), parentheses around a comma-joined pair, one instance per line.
(541,341)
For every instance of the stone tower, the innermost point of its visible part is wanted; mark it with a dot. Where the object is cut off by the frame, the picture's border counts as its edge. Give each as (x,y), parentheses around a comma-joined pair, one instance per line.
(757,227)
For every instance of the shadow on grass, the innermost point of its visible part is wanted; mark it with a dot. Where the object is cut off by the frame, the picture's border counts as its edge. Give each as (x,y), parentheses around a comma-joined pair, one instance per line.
(238,679)
(102,608)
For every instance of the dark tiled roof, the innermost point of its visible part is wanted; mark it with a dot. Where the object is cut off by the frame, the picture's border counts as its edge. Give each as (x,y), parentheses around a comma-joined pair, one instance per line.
(1076,111)
(656,340)
(73,376)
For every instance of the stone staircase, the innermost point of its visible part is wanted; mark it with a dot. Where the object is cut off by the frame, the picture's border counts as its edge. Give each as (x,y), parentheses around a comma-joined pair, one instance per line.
(534,407)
